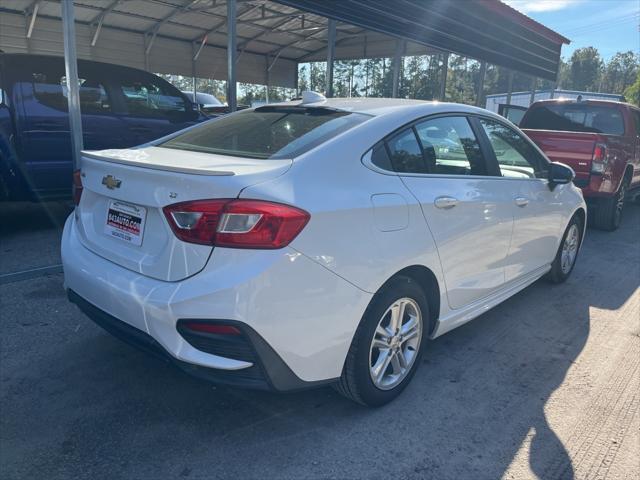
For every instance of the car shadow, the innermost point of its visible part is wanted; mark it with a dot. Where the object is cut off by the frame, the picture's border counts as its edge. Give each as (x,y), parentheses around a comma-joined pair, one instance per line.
(98,408)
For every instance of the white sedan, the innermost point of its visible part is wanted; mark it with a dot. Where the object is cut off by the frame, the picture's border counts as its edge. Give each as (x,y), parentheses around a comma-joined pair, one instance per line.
(318,241)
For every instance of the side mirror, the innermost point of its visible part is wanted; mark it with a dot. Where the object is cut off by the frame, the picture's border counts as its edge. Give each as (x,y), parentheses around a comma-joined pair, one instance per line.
(560,174)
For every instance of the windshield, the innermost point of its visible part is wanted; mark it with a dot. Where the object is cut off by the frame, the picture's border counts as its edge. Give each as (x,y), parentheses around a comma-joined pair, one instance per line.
(267,132)
(573,117)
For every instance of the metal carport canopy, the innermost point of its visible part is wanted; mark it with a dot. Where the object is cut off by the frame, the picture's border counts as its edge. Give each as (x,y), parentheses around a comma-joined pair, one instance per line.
(487,30)
(165,36)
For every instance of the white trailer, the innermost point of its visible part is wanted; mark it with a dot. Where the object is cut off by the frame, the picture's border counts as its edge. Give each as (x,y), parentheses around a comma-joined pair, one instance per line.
(523,99)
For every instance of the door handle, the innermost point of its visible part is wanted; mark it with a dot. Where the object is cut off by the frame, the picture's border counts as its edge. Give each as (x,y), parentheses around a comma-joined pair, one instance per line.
(445,202)
(521,201)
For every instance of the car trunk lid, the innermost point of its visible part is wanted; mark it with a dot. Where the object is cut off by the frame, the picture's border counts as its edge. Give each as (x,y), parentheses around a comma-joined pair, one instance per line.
(120,214)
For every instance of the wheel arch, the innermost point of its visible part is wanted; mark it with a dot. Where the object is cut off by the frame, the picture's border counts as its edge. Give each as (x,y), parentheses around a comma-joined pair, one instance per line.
(582,214)
(428,282)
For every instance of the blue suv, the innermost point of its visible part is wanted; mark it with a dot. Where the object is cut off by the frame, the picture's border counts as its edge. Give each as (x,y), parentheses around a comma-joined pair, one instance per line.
(121,107)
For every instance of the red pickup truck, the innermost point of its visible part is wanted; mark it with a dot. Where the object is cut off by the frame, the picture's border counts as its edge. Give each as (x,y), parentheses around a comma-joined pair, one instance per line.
(600,140)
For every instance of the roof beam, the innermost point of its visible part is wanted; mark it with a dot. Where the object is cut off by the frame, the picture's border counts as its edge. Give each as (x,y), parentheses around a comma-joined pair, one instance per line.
(273,28)
(100,18)
(338,42)
(176,11)
(222,23)
(33,9)
(306,39)
(202,44)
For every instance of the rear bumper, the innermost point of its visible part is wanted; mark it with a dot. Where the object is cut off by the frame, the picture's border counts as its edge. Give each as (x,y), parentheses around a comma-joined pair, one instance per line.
(269,372)
(597,186)
(298,317)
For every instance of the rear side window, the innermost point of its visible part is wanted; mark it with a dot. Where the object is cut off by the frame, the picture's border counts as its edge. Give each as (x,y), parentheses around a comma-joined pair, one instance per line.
(380,157)
(145,97)
(267,132)
(50,89)
(406,154)
(575,117)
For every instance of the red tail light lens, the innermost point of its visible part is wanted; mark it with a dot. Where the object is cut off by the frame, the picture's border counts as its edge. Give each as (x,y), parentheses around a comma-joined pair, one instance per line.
(599,161)
(77,187)
(236,223)
(599,152)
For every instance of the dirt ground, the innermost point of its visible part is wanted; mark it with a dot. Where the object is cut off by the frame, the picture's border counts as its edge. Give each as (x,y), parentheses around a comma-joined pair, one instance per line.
(544,386)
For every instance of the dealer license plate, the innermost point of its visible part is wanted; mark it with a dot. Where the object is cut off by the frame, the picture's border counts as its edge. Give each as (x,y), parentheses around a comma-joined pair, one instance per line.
(125,222)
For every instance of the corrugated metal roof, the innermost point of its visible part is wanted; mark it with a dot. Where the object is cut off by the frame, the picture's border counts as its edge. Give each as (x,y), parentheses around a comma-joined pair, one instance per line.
(292,30)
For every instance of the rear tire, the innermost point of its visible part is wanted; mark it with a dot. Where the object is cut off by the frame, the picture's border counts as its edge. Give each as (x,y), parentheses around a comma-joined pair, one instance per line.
(608,212)
(568,250)
(388,345)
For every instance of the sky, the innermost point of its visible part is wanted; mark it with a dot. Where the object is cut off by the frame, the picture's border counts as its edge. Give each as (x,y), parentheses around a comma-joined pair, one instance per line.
(608,25)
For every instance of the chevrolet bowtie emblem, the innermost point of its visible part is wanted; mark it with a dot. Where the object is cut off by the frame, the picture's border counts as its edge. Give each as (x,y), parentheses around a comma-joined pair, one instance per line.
(111,182)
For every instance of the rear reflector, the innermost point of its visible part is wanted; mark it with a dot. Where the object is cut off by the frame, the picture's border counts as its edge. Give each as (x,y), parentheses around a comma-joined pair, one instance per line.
(211,328)
(77,187)
(236,223)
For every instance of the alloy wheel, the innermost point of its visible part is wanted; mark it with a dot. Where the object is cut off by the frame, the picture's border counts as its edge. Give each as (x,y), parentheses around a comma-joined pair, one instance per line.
(395,343)
(570,249)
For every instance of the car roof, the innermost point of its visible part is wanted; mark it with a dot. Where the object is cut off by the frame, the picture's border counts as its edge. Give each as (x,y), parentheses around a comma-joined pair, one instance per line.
(35,58)
(384,106)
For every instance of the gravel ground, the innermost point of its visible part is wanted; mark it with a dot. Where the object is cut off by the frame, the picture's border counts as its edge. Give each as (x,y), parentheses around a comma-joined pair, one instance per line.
(545,386)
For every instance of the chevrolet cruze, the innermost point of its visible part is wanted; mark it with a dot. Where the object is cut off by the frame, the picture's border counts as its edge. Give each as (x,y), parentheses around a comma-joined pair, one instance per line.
(317,241)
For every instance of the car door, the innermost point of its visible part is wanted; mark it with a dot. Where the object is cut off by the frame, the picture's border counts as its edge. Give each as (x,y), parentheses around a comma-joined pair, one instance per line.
(153,107)
(538,210)
(46,144)
(468,212)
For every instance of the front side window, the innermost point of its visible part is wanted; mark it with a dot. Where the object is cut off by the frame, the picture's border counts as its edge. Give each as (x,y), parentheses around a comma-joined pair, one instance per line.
(269,132)
(146,98)
(50,89)
(516,156)
(450,146)
(575,117)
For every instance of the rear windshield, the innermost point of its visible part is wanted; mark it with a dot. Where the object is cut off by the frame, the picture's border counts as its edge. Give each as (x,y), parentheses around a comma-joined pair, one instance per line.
(574,117)
(267,132)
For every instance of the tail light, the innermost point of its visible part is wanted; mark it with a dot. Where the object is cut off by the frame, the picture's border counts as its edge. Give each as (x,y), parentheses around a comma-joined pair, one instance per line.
(236,223)
(77,187)
(600,159)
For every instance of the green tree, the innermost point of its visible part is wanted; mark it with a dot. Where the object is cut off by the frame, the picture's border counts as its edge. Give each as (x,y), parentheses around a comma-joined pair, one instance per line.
(586,68)
(632,93)
(303,78)
(620,72)
(317,76)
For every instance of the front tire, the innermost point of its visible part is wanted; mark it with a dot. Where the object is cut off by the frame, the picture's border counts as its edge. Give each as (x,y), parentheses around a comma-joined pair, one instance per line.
(567,254)
(387,347)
